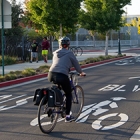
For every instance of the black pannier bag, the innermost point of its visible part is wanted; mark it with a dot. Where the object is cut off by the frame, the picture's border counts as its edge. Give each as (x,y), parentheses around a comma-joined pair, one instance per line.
(39,94)
(55,97)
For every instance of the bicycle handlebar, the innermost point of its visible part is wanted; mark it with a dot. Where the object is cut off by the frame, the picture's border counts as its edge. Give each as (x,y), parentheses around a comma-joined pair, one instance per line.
(75,73)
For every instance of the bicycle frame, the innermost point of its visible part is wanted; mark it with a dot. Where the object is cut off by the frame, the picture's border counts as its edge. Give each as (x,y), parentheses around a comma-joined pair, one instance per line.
(72,88)
(52,113)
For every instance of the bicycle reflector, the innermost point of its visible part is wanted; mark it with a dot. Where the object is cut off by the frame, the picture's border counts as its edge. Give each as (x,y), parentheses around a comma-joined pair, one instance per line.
(44,92)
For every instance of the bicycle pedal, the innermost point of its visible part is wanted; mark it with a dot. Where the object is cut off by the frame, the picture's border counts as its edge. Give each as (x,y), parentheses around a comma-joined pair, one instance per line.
(63,115)
(49,112)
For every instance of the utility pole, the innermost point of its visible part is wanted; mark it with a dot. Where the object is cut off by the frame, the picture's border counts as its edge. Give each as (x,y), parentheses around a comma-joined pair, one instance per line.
(119,46)
(2,35)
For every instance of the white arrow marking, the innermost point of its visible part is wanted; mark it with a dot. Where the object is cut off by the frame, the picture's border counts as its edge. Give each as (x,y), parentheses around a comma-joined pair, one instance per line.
(12,99)
(5,96)
(18,103)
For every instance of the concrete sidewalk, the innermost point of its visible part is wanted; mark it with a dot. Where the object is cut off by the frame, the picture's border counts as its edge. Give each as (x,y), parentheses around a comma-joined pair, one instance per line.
(85,55)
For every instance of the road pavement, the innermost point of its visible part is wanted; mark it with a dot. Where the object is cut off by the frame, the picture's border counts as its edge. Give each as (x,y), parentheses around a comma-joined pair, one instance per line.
(111,109)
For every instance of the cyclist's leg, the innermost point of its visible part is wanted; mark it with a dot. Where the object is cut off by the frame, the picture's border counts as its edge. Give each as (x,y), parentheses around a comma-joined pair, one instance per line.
(63,80)
(65,83)
(67,89)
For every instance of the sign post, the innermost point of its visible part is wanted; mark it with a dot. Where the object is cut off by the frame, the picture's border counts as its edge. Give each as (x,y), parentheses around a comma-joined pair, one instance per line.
(119,45)
(2,34)
(5,22)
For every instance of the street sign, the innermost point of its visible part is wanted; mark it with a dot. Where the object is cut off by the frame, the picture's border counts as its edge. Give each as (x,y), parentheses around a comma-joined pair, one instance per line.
(6,14)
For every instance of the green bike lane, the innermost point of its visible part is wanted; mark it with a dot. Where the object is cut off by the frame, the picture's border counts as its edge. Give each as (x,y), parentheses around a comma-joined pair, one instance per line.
(111,109)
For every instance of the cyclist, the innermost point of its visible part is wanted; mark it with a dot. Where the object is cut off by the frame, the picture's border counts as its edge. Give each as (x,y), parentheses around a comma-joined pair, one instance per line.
(63,60)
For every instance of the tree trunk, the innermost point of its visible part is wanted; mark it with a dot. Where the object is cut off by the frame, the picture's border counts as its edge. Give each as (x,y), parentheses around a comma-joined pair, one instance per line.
(60,30)
(106,45)
(94,45)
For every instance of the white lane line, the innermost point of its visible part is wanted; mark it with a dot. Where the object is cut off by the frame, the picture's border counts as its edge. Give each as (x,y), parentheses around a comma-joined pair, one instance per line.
(12,98)
(136,135)
(25,83)
(33,81)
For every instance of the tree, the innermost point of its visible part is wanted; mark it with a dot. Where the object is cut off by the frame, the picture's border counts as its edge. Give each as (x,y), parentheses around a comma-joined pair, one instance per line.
(54,16)
(103,16)
(135,23)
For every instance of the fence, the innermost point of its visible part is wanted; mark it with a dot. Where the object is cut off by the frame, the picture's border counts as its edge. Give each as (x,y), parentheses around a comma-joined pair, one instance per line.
(20,46)
(98,44)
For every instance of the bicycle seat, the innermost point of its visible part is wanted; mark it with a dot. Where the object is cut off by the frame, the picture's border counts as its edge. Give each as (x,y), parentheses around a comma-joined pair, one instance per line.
(54,82)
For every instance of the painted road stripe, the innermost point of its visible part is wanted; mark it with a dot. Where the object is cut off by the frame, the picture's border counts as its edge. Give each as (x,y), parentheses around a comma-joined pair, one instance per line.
(136,135)
(12,98)
(33,81)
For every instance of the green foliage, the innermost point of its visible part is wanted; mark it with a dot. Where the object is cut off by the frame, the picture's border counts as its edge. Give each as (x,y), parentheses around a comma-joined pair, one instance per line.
(28,72)
(135,23)
(100,58)
(8,60)
(44,69)
(47,15)
(2,79)
(102,15)
(32,34)
(10,77)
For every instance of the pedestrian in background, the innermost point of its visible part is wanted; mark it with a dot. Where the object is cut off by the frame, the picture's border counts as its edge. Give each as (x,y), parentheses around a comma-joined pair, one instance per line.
(45,46)
(34,51)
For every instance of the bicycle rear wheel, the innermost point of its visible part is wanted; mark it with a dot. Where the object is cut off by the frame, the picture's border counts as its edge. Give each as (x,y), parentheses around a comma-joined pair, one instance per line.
(80,50)
(77,101)
(47,117)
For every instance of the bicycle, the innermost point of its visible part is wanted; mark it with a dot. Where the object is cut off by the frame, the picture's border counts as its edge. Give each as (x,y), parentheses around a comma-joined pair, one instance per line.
(80,51)
(74,50)
(48,116)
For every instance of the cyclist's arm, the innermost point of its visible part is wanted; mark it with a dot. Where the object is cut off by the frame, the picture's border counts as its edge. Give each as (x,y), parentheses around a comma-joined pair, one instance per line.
(76,65)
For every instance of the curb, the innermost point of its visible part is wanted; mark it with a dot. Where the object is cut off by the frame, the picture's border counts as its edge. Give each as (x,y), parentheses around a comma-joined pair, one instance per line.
(30,78)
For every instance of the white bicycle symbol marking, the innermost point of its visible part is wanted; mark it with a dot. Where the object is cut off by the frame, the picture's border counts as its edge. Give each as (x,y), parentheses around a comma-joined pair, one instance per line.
(128,61)
(97,108)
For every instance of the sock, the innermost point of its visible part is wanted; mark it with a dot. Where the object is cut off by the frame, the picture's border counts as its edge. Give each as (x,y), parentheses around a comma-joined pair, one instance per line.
(68,116)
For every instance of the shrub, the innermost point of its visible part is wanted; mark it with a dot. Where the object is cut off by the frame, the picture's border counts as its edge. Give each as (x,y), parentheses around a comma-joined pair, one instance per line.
(7,77)
(28,72)
(102,57)
(8,60)
(44,69)
(2,78)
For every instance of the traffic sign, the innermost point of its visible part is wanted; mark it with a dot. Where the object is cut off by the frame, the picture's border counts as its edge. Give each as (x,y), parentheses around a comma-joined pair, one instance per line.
(6,14)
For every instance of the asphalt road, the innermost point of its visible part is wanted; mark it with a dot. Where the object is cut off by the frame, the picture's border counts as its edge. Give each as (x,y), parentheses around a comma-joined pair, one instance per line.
(112,95)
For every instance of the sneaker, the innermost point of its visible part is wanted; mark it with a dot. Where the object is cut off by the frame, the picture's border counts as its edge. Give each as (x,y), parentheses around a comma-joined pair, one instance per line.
(30,61)
(36,61)
(69,119)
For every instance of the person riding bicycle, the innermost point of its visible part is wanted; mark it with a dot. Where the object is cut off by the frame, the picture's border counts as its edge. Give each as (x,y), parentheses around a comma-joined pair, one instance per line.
(63,60)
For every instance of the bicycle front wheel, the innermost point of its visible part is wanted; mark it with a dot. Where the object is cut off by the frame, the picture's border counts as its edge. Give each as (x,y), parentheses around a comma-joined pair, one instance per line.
(74,50)
(47,117)
(77,101)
